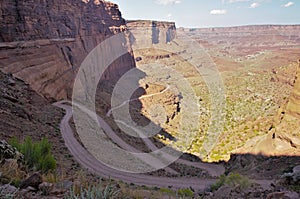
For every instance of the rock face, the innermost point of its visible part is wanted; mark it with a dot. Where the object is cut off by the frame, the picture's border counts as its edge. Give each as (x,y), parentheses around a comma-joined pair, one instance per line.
(44,42)
(145,33)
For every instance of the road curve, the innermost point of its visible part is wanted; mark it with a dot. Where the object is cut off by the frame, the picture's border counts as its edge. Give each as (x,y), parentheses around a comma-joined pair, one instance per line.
(135,99)
(214,170)
(82,156)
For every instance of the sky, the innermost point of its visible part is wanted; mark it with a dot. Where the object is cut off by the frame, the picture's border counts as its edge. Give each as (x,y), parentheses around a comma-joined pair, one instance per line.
(213,13)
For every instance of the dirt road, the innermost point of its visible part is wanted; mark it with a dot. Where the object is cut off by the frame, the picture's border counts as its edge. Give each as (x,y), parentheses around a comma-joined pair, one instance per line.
(91,163)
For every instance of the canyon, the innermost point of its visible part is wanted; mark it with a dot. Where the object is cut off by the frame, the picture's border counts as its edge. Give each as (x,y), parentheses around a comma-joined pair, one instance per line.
(258,65)
(41,52)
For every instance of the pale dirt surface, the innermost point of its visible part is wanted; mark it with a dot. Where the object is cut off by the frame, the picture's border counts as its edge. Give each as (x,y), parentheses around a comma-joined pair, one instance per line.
(88,161)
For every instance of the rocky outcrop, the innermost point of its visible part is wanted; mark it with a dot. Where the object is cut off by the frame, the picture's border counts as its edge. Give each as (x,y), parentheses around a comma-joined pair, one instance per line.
(146,33)
(9,152)
(44,42)
(293,177)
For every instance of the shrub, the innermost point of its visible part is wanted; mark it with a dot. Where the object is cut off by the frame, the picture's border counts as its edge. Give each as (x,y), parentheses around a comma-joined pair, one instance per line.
(186,192)
(165,190)
(232,180)
(37,155)
(219,183)
(93,191)
(235,179)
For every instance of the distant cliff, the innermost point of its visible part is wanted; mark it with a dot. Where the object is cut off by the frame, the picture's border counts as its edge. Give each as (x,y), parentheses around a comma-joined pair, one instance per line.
(260,36)
(44,42)
(145,33)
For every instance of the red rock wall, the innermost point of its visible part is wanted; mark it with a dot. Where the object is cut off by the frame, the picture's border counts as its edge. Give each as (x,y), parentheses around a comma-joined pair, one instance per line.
(44,42)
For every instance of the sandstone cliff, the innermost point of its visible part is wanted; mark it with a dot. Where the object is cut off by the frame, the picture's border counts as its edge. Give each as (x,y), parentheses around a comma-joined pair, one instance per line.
(145,33)
(44,42)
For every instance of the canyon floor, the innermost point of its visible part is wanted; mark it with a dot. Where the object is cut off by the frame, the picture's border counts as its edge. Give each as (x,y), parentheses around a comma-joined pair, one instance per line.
(256,89)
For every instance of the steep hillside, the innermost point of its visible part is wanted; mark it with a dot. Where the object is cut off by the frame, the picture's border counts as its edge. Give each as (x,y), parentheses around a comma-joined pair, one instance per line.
(25,113)
(44,42)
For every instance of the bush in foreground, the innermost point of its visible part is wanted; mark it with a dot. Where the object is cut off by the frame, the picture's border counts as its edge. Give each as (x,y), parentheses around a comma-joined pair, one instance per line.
(37,155)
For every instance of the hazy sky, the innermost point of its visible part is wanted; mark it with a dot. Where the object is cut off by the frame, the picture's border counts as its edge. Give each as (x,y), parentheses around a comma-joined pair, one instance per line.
(211,13)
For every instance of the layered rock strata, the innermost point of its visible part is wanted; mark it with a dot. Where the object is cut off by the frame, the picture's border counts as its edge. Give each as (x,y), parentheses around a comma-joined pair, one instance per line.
(44,42)
(146,33)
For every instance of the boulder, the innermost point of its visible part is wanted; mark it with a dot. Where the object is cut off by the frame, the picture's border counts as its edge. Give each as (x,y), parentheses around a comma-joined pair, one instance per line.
(8,189)
(66,184)
(11,82)
(293,177)
(33,181)
(46,188)
(223,192)
(285,195)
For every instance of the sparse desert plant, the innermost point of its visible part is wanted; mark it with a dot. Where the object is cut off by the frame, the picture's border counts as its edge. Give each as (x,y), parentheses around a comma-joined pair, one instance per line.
(5,195)
(94,192)
(37,155)
(233,179)
(294,188)
(51,177)
(219,183)
(165,190)
(185,192)
(11,173)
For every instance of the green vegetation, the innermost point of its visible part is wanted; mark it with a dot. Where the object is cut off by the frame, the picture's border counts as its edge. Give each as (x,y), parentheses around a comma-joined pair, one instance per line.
(231,180)
(294,188)
(37,155)
(186,192)
(165,190)
(219,183)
